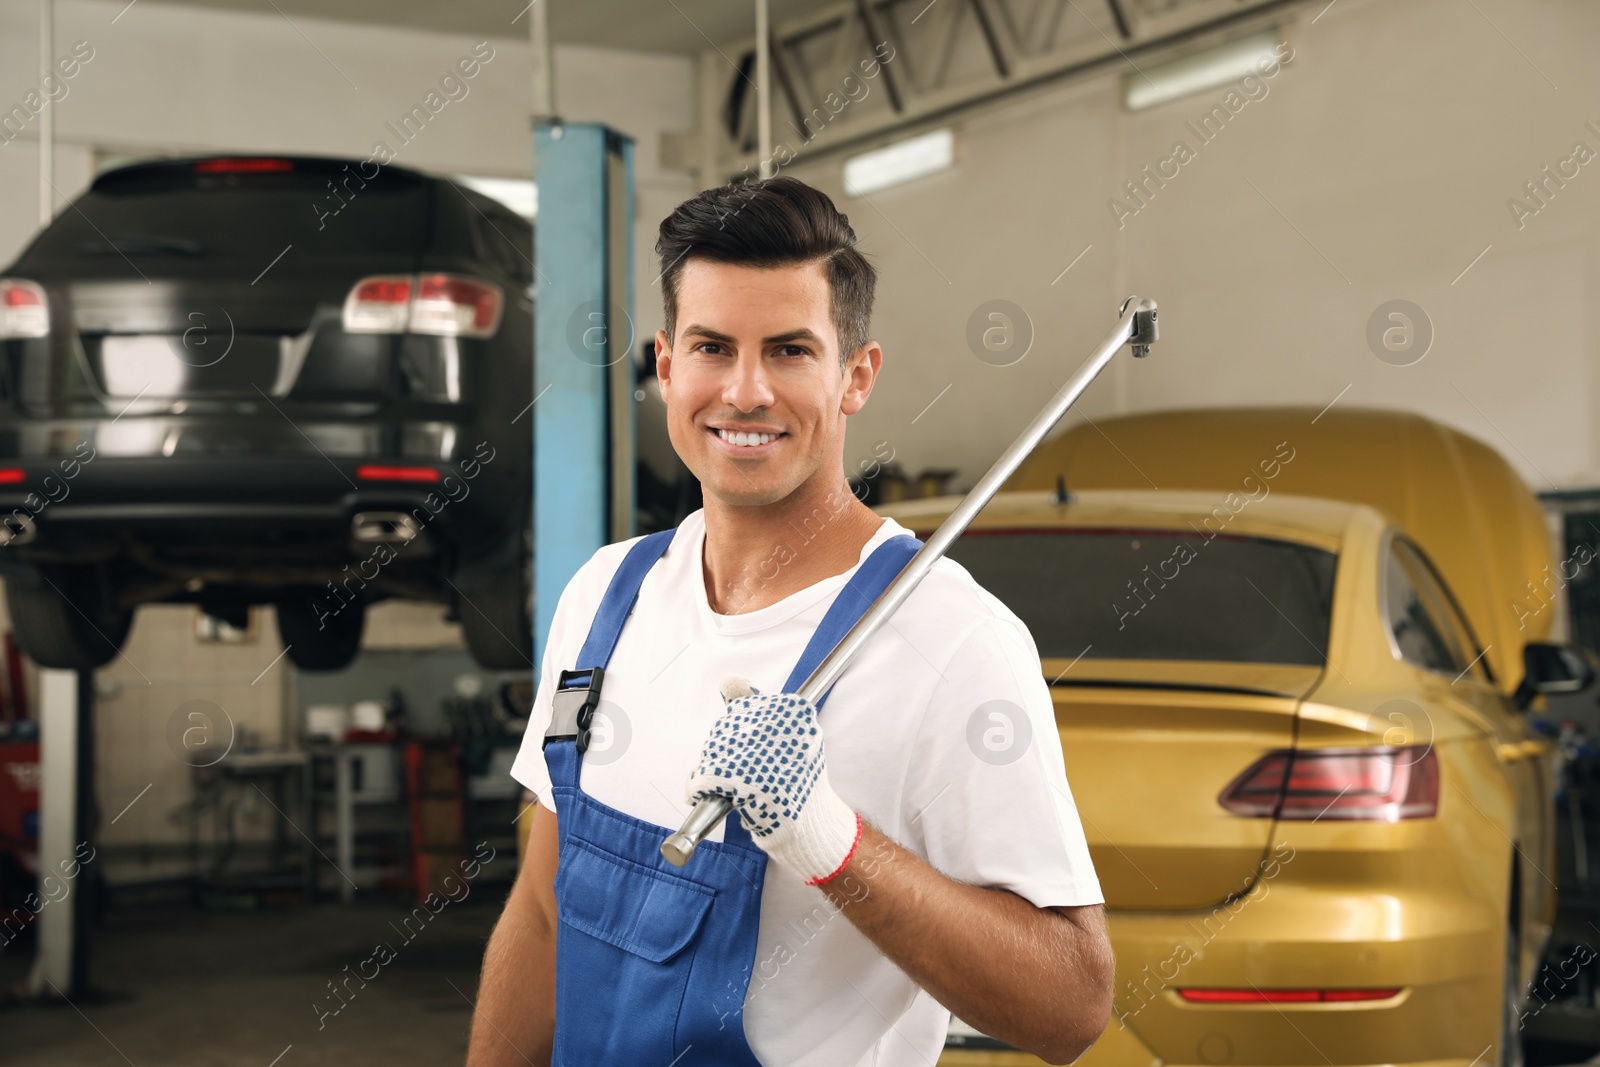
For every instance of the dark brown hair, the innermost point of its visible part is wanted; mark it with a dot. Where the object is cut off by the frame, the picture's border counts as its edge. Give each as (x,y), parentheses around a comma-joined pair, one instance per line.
(774,222)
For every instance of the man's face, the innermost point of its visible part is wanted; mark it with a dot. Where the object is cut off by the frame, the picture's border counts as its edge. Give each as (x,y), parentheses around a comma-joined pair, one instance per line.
(757,354)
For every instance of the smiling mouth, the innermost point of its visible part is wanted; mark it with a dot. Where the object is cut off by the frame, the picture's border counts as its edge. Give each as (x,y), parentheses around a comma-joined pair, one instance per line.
(743,439)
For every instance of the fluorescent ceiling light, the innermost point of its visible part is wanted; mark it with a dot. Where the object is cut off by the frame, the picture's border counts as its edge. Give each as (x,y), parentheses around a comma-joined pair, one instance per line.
(518,194)
(1202,70)
(902,161)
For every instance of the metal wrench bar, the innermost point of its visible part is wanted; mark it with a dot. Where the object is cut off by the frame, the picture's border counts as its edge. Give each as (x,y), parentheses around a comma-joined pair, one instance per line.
(1137,326)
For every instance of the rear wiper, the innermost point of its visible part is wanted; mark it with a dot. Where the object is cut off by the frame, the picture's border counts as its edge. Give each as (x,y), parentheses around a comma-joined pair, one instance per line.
(141,245)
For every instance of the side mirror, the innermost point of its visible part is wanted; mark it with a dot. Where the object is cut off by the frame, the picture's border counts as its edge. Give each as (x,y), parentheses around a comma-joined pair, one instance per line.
(1552,669)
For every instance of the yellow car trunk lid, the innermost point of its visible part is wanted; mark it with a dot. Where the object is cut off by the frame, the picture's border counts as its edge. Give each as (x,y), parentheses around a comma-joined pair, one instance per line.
(1149,749)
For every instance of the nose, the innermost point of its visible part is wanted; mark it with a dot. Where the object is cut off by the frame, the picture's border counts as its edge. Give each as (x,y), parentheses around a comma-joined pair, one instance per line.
(747,387)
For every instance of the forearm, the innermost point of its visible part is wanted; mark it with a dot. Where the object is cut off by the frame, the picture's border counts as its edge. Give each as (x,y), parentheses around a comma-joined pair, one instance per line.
(513,1023)
(1036,979)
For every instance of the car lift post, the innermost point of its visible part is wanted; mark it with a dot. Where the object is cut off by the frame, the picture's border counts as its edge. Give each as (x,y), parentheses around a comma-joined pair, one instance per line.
(583,430)
(66,820)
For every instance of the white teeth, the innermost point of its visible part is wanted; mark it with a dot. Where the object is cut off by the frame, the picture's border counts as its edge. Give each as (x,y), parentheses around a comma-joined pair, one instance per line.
(741,438)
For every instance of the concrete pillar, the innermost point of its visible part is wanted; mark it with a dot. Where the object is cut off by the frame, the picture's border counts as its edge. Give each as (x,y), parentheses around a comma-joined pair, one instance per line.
(53,967)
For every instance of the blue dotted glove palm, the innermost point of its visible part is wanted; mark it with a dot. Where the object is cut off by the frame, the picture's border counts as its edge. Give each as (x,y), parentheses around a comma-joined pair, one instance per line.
(765,754)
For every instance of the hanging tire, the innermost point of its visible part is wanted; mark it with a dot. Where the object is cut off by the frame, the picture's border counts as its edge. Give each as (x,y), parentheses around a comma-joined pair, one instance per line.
(68,620)
(497,616)
(320,641)
(496,624)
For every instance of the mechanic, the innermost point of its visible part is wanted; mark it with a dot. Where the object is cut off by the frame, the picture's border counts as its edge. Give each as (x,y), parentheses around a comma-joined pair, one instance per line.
(936,819)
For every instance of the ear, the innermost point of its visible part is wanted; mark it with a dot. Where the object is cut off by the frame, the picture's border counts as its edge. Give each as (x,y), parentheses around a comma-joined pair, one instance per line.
(859,375)
(663,358)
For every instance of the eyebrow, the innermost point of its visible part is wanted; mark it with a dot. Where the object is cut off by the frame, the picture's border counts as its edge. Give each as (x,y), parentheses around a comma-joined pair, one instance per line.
(709,334)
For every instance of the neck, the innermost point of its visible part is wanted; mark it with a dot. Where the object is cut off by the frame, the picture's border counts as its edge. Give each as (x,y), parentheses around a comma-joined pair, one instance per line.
(756,556)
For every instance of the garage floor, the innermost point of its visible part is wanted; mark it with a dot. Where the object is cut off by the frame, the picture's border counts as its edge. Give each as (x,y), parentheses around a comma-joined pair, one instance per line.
(189,988)
(192,989)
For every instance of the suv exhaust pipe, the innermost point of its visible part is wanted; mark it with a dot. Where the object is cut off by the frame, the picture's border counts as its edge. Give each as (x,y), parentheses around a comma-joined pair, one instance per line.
(383,528)
(17,528)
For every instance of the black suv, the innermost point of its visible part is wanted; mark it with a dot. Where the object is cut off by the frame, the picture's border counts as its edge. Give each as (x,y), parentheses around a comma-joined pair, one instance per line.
(237,381)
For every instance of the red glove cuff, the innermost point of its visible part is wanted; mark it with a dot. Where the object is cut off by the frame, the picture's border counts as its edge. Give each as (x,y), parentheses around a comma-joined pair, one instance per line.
(843,863)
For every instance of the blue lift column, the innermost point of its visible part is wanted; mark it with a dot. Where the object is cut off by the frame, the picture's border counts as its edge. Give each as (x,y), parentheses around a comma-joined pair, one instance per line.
(583,368)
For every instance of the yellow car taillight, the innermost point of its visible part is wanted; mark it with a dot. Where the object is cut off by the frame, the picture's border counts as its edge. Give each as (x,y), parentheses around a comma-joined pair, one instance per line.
(1378,784)
(1284,996)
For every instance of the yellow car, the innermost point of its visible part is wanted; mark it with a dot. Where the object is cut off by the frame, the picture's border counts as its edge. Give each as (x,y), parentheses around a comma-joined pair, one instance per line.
(1296,728)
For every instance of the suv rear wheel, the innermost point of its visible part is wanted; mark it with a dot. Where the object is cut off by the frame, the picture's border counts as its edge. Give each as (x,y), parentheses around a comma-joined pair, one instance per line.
(69,619)
(497,616)
(325,641)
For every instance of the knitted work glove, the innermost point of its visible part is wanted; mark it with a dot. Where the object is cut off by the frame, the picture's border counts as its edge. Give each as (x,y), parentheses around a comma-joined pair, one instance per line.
(765,754)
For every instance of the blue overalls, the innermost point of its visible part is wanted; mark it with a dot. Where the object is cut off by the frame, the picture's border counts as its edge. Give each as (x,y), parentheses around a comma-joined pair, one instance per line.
(652,961)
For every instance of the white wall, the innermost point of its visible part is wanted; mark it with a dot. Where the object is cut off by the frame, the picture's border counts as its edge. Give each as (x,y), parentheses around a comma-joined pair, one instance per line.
(1392,143)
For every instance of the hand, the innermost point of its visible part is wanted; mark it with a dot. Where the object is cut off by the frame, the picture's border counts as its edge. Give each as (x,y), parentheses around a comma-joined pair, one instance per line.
(765,754)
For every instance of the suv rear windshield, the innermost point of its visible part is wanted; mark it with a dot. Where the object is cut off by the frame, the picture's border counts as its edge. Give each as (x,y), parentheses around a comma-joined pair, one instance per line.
(1157,594)
(174,211)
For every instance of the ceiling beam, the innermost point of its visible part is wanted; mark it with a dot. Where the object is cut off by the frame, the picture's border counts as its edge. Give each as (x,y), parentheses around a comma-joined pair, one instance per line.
(1011,70)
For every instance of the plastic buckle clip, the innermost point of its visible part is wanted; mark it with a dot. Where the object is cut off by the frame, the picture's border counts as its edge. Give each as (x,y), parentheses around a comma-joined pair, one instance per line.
(576,699)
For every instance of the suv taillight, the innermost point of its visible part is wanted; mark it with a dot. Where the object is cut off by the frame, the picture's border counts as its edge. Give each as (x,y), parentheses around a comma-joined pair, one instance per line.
(24,311)
(1379,784)
(244,166)
(453,305)
(379,305)
(445,305)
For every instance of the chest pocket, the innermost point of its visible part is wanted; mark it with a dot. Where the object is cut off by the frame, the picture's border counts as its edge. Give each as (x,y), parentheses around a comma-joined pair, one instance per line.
(655,920)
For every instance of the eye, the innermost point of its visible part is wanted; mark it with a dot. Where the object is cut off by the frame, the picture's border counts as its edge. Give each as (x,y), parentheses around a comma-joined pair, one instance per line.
(793,350)
(707,346)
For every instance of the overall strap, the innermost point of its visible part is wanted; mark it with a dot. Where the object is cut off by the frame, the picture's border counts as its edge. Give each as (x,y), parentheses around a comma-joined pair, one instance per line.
(852,602)
(619,598)
(858,595)
(577,691)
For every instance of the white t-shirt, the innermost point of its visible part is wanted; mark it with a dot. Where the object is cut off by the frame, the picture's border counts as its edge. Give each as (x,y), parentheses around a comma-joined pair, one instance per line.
(941,733)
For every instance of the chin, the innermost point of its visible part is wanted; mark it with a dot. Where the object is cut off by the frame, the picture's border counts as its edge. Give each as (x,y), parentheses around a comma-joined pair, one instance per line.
(744,495)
